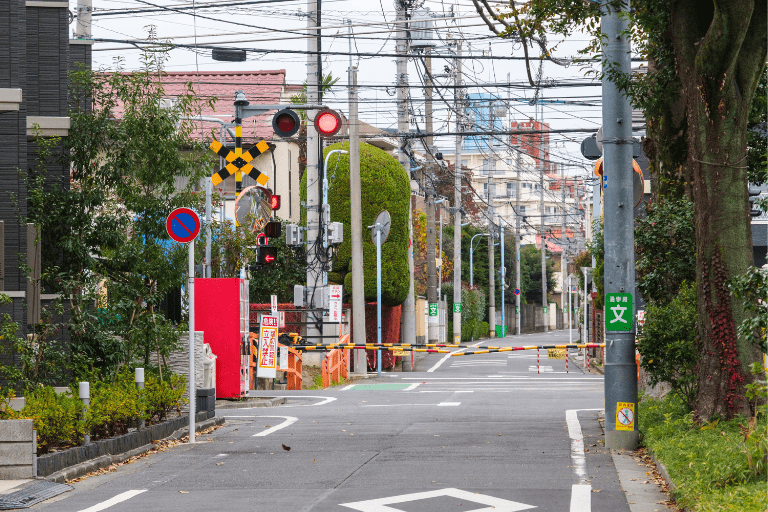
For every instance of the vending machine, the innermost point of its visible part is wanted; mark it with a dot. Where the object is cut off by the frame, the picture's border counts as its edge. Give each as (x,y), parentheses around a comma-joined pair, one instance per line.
(221,312)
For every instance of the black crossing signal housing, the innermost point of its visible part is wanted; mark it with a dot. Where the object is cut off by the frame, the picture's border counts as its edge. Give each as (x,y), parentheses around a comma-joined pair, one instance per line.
(272,229)
(286,123)
(327,122)
(267,255)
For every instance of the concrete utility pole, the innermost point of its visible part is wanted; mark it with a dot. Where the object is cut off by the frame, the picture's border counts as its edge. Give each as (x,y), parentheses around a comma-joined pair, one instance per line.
(502,272)
(356,221)
(457,173)
(408,317)
(563,240)
(621,430)
(518,164)
(432,294)
(314,272)
(491,217)
(542,235)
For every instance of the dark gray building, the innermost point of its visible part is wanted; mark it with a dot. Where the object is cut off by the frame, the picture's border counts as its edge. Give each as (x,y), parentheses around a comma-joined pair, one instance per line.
(35,56)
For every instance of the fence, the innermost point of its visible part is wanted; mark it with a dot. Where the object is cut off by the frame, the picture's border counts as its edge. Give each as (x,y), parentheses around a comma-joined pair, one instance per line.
(293,371)
(335,366)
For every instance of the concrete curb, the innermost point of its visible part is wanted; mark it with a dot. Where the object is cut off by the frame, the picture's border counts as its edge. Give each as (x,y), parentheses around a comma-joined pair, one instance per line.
(84,468)
(264,402)
(580,365)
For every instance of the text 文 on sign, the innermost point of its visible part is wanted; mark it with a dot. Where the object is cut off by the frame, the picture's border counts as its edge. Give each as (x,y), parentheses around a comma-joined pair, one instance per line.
(619,312)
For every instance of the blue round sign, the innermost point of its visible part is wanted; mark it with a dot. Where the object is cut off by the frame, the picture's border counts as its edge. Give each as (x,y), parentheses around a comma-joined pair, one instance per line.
(517,291)
(183,225)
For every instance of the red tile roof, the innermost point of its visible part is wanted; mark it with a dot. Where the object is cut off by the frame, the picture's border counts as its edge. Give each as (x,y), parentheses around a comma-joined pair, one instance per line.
(259,87)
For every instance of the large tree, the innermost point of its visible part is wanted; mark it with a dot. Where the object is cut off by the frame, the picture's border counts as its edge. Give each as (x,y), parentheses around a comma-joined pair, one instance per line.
(705,61)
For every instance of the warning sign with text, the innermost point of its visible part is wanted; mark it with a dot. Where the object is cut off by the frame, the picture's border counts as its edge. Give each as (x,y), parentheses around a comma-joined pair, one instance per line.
(267,365)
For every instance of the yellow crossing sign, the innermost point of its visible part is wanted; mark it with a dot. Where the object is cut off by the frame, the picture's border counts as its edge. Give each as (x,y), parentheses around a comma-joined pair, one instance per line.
(239,162)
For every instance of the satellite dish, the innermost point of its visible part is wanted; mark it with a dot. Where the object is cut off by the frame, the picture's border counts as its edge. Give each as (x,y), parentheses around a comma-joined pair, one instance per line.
(384,219)
(253,206)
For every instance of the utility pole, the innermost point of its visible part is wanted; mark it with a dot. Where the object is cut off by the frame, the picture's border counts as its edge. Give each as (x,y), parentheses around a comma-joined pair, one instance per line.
(457,173)
(408,322)
(491,186)
(543,238)
(314,272)
(432,293)
(621,430)
(518,164)
(502,272)
(563,239)
(356,221)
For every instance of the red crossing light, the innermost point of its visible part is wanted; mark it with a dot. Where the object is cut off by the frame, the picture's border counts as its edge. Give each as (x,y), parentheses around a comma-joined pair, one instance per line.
(286,123)
(327,123)
(274,202)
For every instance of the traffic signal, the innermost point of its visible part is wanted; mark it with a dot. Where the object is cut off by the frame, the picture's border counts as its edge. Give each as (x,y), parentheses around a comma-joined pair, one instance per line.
(266,255)
(286,123)
(274,202)
(753,193)
(327,122)
(273,229)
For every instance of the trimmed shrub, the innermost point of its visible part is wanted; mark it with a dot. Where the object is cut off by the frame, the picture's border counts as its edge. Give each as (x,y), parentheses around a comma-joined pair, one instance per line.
(385,186)
(57,418)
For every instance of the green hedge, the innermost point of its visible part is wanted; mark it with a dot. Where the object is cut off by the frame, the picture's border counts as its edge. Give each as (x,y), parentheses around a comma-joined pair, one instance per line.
(114,408)
(385,186)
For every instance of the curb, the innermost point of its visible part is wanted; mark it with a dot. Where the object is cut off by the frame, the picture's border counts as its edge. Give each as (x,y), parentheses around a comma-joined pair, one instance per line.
(84,468)
(264,402)
(595,368)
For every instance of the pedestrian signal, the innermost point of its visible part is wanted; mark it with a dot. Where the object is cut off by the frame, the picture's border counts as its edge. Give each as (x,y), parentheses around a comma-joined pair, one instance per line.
(273,229)
(274,202)
(267,254)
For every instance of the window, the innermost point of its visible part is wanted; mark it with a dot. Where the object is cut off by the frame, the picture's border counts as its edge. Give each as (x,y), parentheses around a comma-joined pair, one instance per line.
(522,210)
(509,162)
(464,163)
(510,189)
(526,185)
(485,189)
(486,165)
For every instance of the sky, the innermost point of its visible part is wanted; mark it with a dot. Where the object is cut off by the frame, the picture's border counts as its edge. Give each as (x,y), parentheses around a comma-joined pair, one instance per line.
(280,24)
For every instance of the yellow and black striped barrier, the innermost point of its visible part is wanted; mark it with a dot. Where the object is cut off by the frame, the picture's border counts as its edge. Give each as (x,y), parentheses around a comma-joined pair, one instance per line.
(490,350)
(371,347)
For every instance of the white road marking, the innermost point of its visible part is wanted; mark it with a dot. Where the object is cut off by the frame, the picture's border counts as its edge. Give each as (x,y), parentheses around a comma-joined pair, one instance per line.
(447,356)
(289,420)
(575,379)
(465,391)
(114,501)
(347,388)
(581,493)
(449,404)
(413,386)
(541,368)
(326,400)
(494,504)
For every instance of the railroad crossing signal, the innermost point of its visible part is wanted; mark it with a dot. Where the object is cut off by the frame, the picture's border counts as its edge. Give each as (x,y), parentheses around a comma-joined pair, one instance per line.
(239,162)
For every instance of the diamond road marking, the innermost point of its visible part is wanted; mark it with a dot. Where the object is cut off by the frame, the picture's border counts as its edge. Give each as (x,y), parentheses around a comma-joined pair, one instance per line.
(494,504)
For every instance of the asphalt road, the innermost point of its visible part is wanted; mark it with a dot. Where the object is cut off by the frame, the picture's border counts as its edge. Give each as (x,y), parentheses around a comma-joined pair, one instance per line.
(472,433)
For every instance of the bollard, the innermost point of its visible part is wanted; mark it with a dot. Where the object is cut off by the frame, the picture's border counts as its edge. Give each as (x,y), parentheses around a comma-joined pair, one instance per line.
(537,361)
(566,360)
(586,358)
(139,378)
(85,397)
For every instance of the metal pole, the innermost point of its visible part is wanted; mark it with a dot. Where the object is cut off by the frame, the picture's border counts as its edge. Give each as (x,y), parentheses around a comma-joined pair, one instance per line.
(139,379)
(432,298)
(84,392)
(544,302)
(518,163)
(563,239)
(314,274)
(570,309)
(408,325)
(586,303)
(471,264)
(377,227)
(191,292)
(356,221)
(620,366)
(457,171)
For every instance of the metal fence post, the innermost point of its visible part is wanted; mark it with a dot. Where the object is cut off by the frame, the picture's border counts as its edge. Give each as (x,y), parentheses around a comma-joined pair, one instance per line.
(85,397)
(139,378)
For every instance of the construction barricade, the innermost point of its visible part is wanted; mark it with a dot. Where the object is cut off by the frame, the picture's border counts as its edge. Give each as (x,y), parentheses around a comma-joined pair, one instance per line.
(293,371)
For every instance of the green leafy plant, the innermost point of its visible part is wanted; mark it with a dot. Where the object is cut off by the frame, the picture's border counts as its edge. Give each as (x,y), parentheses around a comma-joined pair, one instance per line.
(668,345)
(752,289)
(57,417)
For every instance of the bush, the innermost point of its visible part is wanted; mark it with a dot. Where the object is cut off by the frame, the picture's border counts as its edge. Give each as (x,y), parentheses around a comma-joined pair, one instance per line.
(114,408)
(57,417)
(482,330)
(668,344)
(162,397)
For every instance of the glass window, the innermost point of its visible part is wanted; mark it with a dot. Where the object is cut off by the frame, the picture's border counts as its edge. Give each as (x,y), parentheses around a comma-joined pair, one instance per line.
(485,189)
(522,209)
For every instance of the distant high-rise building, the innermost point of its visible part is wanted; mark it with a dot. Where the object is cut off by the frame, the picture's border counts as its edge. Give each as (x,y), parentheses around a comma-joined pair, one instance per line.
(534,144)
(478,111)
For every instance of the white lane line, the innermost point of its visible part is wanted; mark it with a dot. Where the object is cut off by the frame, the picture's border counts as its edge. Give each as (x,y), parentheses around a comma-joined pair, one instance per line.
(413,386)
(447,356)
(581,493)
(529,378)
(289,420)
(449,404)
(347,388)
(114,501)
(581,498)
(326,400)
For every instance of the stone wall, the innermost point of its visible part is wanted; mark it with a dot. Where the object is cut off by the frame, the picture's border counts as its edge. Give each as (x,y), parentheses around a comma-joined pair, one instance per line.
(178,361)
(18,445)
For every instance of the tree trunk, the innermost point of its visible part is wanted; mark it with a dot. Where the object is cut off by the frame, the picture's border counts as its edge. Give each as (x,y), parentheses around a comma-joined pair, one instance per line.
(720,54)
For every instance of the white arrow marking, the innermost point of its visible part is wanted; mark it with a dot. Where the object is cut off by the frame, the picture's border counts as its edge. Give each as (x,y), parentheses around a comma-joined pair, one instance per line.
(289,420)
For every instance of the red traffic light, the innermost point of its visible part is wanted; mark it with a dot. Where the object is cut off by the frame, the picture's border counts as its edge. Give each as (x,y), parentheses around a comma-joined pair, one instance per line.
(327,123)
(286,123)
(274,202)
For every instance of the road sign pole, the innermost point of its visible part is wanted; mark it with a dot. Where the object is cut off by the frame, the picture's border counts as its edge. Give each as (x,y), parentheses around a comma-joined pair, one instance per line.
(377,227)
(620,368)
(570,306)
(191,291)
